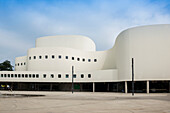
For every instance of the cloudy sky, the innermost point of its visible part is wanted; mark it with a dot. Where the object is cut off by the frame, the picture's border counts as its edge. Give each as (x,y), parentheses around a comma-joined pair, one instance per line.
(22,21)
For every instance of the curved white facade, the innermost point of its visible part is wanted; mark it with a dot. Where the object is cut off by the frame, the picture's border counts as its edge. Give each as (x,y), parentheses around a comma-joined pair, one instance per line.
(148,45)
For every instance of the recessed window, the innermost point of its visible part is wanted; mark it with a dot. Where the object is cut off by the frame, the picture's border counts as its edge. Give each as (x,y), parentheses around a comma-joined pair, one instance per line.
(78,59)
(29,75)
(37,75)
(89,60)
(8,75)
(22,75)
(12,75)
(29,58)
(59,56)
(95,60)
(66,57)
(89,75)
(2,75)
(83,59)
(72,58)
(46,56)
(16,75)
(24,63)
(67,75)
(21,64)
(74,76)
(59,75)
(26,75)
(52,75)
(18,64)
(40,57)
(34,57)
(19,75)
(33,75)
(53,56)
(82,75)
(44,75)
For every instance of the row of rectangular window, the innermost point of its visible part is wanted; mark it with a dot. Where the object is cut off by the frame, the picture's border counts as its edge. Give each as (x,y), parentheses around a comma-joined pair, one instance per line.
(37,75)
(59,56)
(20,64)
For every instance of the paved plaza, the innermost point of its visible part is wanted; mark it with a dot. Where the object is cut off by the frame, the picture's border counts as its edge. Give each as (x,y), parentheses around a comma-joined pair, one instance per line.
(83,102)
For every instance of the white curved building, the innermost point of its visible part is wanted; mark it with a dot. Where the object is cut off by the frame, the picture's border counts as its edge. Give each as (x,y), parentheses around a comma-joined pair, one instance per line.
(48,65)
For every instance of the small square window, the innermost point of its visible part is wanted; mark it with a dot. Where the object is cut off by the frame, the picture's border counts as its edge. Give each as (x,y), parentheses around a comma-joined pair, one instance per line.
(67,75)
(33,75)
(82,75)
(89,60)
(46,56)
(74,76)
(40,57)
(89,75)
(59,75)
(2,75)
(66,57)
(59,56)
(83,59)
(19,75)
(22,75)
(44,75)
(8,75)
(78,59)
(29,75)
(26,75)
(12,75)
(52,75)
(21,64)
(53,56)
(16,75)
(37,75)
(95,60)
(72,58)
(29,58)
(34,57)
(24,63)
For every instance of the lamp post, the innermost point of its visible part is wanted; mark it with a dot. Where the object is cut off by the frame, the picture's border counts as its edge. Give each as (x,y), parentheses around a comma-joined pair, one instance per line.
(132,76)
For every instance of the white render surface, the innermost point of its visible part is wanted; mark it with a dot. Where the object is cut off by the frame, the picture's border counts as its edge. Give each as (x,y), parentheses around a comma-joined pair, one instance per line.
(148,45)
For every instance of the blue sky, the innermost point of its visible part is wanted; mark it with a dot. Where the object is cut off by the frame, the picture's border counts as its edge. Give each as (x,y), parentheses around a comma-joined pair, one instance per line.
(22,21)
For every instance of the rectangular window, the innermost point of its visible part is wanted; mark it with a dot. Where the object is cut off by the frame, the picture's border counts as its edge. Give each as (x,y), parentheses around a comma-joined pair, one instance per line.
(66,57)
(95,60)
(8,75)
(59,56)
(34,57)
(83,59)
(78,59)
(46,56)
(19,75)
(53,56)
(74,76)
(16,75)
(29,58)
(2,75)
(82,75)
(40,57)
(29,75)
(24,63)
(89,60)
(21,64)
(12,75)
(89,75)
(26,75)
(72,58)
(59,75)
(44,75)
(33,75)
(22,75)
(37,75)
(67,75)
(52,75)
(18,64)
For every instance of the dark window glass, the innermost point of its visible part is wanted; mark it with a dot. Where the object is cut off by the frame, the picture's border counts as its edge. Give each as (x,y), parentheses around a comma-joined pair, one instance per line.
(37,75)
(78,59)
(67,75)
(26,75)
(89,75)
(46,57)
(33,75)
(40,57)
(19,75)
(82,75)
(53,56)
(29,75)
(66,57)
(12,75)
(8,75)
(22,75)
(95,60)
(34,57)
(74,76)
(44,75)
(59,75)
(52,75)
(24,63)
(59,56)
(29,58)
(21,64)
(15,64)
(15,75)
(89,60)
(18,64)
(83,59)
(72,58)
(4,75)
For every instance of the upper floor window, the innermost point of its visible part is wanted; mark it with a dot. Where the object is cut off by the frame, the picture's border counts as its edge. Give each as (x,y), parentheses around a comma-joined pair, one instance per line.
(15,75)
(18,64)
(24,63)
(78,59)
(34,57)
(37,75)
(82,75)
(44,75)
(22,75)
(67,75)
(83,59)
(29,75)
(12,75)
(21,64)
(33,75)
(26,75)
(59,56)
(40,57)
(53,56)
(19,75)
(29,58)
(66,57)
(95,60)
(8,75)
(52,75)
(46,56)
(72,58)
(2,75)
(74,76)
(89,75)
(89,60)
(59,75)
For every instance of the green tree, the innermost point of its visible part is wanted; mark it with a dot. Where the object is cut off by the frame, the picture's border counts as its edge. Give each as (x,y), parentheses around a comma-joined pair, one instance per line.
(6,66)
